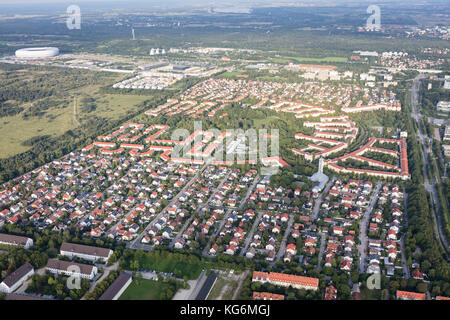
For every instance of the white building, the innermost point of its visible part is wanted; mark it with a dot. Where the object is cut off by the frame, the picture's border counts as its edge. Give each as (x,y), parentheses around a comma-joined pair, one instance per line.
(85,252)
(118,287)
(69,268)
(447,84)
(443,106)
(447,133)
(17,278)
(11,240)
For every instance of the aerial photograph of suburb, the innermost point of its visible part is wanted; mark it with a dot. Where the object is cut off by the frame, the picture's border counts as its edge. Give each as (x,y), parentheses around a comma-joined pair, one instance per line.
(211,157)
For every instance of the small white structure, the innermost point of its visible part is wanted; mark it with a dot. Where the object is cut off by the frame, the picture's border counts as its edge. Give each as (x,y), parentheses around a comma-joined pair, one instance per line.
(443,106)
(320,177)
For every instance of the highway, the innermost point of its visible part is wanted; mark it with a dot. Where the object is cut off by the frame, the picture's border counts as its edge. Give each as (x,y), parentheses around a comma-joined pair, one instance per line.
(406,273)
(429,187)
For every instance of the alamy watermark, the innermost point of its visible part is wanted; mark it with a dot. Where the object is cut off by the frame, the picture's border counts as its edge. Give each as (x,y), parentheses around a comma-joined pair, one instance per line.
(74,281)
(373,22)
(374,282)
(74,17)
(231,146)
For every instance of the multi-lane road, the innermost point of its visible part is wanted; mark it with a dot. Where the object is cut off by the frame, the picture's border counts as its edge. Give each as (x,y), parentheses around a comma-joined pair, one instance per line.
(430,187)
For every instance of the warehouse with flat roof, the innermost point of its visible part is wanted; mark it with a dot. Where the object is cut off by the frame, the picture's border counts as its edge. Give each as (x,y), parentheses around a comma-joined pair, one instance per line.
(118,287)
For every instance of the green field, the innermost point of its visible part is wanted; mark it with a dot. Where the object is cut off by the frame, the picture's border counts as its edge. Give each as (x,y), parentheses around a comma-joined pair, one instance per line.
(146,290)
(179,269)
(306,59)
(55,114)
(183,266)
(223,289)
(229,74)
(367,294)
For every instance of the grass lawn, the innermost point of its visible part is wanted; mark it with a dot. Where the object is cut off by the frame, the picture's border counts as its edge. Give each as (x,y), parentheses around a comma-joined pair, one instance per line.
(14,130)
(180,270)
(223,289)
(305,59)
(229,74)
(367,294)
(145,290)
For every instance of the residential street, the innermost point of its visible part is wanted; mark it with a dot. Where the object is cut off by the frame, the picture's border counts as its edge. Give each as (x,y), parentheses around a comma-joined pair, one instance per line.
(249,238)
(323,242)
(135,244)
(405,267)
(362,247)
(283,242)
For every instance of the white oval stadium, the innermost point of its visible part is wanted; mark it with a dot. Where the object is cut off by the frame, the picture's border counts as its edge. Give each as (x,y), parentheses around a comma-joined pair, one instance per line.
(37,53)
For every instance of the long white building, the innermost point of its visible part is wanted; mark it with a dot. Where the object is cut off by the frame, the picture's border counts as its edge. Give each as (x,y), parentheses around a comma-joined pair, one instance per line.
(69,268)
(12,240)
(17,278)
(85,252)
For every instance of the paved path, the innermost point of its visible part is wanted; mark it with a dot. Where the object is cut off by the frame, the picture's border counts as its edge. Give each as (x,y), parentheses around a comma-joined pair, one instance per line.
(199,211)
(135,244)
(24,286)
(250,235)
(241,281)
(107,271)
(319,200)
(323,238)
(283,242)
(198,286)
(362,247)
(249,191)
(405,267)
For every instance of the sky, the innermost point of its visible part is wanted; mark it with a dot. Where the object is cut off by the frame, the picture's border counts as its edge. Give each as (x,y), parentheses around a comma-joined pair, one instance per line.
(180,4)
(184,2)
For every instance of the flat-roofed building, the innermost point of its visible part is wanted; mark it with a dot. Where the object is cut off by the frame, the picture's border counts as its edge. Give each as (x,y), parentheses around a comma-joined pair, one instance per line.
(17,278)
(447,84)
(12,240)
(85,252)
(447,133)
(118,287)
(446,150)
(69,268)
(443,106)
